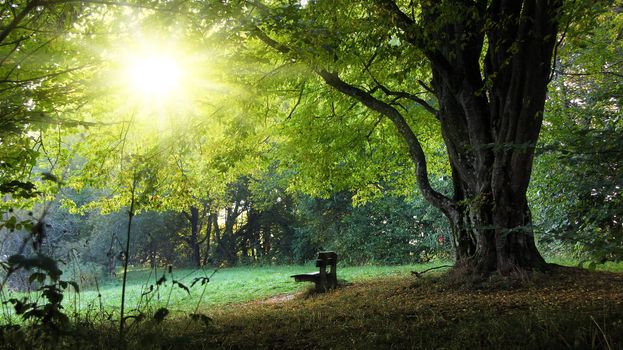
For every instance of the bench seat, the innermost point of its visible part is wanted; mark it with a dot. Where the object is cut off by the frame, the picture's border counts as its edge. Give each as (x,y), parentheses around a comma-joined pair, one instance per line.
(307,277)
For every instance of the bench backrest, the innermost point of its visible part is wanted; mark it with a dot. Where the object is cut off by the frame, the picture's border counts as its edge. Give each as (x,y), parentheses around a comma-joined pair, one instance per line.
(326,258)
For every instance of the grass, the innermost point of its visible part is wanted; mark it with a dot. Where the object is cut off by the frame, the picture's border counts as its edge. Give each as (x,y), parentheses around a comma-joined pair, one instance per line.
(238,284)
(610,266)
(226,286)
(381,307)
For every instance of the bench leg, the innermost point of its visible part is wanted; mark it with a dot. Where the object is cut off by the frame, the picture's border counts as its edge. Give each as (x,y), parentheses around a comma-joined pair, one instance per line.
(331,281)
(321,282)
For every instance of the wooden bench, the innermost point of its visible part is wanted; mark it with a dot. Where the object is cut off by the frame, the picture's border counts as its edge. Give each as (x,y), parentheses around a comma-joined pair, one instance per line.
(323,280)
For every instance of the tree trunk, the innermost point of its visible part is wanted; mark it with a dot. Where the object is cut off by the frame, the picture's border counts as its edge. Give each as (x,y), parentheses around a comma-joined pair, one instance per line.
(208,237)
(193,240)
(488,239)
(266,240)
(152,254)
(228,242)
(490,119)
(218,241)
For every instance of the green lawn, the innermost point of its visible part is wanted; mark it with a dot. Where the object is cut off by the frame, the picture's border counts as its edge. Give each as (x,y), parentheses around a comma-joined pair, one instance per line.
(226,286)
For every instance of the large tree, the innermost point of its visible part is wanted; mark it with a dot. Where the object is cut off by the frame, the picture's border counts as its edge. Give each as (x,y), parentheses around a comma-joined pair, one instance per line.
(480,68)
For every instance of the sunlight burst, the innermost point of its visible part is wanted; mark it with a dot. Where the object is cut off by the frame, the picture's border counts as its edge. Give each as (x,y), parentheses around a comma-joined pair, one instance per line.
(154,75)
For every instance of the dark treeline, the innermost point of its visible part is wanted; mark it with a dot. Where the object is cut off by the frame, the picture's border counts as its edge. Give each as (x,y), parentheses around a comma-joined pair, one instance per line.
(288,229)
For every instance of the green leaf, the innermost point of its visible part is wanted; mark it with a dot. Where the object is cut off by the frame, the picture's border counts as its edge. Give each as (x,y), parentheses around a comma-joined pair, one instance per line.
(160,314)
(182,286)
(37,276)
(203,281)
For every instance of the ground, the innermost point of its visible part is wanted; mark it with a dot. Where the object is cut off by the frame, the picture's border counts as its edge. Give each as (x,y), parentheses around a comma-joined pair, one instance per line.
(573,309)
(569,308)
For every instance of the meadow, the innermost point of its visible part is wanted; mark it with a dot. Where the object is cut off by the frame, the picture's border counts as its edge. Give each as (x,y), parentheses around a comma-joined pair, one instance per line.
(374,307)
(224,286)
(221,286)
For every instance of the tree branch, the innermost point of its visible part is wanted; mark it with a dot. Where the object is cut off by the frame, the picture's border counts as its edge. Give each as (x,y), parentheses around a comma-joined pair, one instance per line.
(413,144)
(416,152)
(412,97)
(426,87)
(400,94)
(17,19)
(298,102)
(412,34)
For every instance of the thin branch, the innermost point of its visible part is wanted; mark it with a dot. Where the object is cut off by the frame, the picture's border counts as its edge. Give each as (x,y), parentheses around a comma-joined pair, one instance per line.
(17,19)
(426,87)
(27,56)
(419,274)
(43,77)
(556,47)
(298,102)
(368,64)
(603,72)
(15,47)
(376,123)
(400,94)
(412,97)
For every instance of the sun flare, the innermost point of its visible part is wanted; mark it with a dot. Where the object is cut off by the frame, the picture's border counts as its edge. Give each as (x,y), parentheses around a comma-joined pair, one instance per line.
(154,75)
(160,81)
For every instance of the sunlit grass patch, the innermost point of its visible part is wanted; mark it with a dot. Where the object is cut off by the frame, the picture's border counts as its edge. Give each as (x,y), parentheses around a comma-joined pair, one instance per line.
(225,286)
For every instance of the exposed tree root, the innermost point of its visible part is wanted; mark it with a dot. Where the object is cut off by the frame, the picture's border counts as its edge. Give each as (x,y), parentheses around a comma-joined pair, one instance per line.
(419,274)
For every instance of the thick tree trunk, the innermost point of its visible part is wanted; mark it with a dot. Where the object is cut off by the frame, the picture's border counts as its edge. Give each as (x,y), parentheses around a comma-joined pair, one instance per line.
(228,248)
(490,122)
(490,239)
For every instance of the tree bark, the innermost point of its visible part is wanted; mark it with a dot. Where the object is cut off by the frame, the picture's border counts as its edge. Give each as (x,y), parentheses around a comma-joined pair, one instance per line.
(218,242)
(208,237)
(193,240)
(490,121)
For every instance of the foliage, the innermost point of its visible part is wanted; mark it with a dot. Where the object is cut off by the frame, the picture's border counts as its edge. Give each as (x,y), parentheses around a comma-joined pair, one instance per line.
(39,86)
(390,230)
(48,316)
(579,174)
